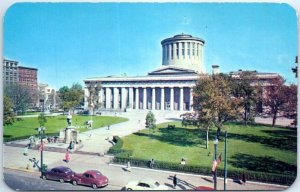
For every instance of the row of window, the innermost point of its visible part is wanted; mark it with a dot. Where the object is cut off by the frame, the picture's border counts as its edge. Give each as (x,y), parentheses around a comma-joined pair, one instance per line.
(187,48)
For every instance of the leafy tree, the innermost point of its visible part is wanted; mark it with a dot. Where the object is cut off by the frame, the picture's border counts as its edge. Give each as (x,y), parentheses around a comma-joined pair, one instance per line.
(246,90)
(214,102)
(150,121)
(8,114)
(290,108)
(71,97)
(93,98)
(275,97)
(20,97)
(42,119)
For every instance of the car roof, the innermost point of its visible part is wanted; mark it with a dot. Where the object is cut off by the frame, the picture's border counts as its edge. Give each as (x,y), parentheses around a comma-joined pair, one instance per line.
(62,168)
(149,181)
(92,172)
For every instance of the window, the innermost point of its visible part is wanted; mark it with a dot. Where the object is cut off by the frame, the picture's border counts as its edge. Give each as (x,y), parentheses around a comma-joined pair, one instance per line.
(197,49)
(189,46)
(177,50)
(193,49)
(168,55)
(172,48)
(182,45)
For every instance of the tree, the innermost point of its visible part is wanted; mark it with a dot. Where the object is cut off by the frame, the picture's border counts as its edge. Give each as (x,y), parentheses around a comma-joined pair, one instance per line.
(275,97)
(290,106)
(71,97)
(20,97)
(93,97)
(214,102)
(245,89)
(150,121)
(8,114)
(42,119)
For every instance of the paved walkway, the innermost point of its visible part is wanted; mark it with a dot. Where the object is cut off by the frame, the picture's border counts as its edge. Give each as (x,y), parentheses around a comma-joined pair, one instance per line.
(96,141)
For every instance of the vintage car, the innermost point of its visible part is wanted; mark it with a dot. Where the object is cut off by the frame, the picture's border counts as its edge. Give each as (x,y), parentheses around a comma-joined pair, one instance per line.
(91,178)
(145,184)
(60,173)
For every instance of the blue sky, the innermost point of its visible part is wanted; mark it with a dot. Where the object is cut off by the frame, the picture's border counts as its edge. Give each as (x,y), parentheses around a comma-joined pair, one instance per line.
(69,42)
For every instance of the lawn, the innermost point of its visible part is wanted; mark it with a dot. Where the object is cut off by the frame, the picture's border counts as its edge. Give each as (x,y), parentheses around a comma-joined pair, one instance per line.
(254,147)
(25,127)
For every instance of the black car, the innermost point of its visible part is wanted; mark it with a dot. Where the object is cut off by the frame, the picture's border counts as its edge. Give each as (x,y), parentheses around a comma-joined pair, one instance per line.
(60,173)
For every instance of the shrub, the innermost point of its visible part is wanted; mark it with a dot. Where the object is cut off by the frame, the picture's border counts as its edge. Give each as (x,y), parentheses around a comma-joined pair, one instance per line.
(234,174)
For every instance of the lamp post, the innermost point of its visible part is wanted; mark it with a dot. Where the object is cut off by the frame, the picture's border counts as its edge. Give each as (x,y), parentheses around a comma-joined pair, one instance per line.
(225,162)
(215,158)
(41,131)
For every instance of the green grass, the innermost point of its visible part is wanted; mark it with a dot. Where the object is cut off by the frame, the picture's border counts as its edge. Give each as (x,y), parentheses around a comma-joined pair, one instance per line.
(256,148)
(27,126)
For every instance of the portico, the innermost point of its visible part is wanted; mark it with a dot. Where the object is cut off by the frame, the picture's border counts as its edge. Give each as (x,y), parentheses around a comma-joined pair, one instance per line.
(146,92)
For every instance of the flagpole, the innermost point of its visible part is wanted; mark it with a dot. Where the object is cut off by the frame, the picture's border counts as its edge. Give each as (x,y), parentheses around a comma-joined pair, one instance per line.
(225,162)
(215,159)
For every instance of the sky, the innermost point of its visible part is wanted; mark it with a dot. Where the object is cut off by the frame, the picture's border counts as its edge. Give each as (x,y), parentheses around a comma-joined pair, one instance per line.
(69,42)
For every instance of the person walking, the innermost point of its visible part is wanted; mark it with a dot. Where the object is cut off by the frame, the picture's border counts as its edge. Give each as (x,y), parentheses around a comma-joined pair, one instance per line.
(174,181)
(67,156)
(128,168)
(108,127)
(26,150)
(244,178)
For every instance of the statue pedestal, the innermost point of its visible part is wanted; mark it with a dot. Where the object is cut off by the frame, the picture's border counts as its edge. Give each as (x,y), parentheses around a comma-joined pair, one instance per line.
(68,134)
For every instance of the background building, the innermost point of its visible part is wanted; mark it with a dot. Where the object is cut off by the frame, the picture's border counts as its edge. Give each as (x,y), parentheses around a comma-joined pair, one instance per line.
(10,72)
(46,97)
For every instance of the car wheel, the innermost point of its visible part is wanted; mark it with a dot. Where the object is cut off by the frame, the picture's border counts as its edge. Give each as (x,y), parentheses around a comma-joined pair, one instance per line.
(44,177)
(74,182)
(129,189)
(61,180)
(94,186)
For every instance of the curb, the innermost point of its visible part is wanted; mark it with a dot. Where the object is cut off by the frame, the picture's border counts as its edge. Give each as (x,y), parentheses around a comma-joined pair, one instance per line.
(22,169)
(189,174)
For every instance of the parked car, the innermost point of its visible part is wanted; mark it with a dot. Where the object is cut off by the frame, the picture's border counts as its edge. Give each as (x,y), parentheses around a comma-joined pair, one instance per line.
(204,188)
(145,184)
(60,173)
(91,178)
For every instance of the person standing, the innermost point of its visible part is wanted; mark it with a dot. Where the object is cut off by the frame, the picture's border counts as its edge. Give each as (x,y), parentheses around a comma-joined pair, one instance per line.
(244,178)
(174,181)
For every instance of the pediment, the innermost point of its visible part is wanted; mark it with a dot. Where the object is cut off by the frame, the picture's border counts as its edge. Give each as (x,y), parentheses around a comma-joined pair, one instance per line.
(172,71)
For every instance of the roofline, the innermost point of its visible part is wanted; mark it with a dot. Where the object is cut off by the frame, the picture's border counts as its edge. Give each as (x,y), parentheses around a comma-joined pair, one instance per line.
(27,68)
(182,37)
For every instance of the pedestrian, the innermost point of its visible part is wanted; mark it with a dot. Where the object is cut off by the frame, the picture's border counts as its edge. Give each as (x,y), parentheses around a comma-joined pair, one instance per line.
(152,163)
(128,168)
(174,181)
(108,127)
(67,156)
(26,150)
(244,178)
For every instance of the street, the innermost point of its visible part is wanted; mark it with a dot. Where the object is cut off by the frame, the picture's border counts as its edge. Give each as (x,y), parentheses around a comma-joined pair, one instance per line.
(25,179)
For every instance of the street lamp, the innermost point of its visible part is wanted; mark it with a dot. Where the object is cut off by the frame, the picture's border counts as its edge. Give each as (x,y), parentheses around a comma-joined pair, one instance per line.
(215,159)
(41,131)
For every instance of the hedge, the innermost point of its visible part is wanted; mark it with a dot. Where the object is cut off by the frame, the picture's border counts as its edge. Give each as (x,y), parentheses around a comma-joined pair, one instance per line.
(234,174)
(123,156)
(7,139)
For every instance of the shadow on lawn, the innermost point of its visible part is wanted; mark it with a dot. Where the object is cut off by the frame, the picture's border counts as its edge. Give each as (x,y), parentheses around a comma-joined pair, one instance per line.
(280,139)
(177,136)
(262,164)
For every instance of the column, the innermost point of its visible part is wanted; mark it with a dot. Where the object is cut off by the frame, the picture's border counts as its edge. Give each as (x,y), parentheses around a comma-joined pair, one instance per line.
(180,51)
(181,100)
(86,95)
(145,98)
(170,54)
(191,99)
(116,98)
(107,98)
(171,98)
(137,98)
(162,98)
(123,98)
(153,98)
(130,97)
(100,98)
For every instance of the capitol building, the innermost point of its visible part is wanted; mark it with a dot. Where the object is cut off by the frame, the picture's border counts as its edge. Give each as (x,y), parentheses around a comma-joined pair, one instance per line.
(168,88)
